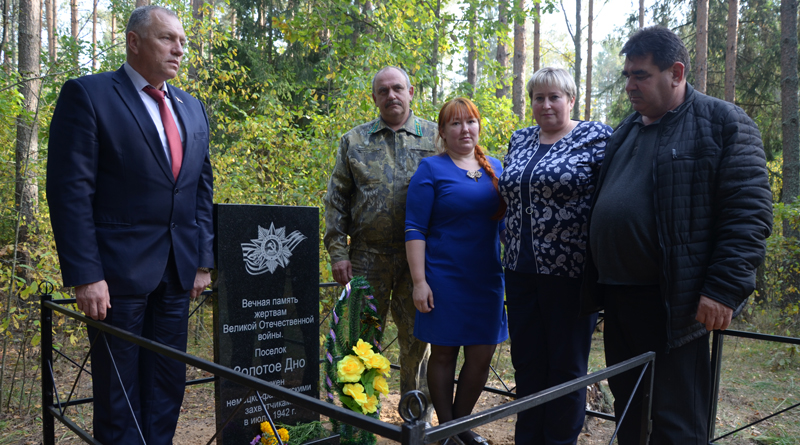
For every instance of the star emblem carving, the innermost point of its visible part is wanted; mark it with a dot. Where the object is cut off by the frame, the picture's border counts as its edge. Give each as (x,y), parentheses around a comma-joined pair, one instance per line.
(271,249)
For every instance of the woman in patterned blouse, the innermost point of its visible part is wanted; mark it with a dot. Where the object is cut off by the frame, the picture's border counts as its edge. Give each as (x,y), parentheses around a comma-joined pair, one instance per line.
(549,176)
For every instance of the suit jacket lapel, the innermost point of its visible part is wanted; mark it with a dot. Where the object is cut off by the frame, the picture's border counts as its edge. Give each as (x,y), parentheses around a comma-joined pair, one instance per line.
(133,101)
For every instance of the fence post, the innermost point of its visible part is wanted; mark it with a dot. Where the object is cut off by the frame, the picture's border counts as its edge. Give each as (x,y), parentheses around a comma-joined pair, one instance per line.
(647,402)
(412,408)
(413,433)
(716,370)
(48,422)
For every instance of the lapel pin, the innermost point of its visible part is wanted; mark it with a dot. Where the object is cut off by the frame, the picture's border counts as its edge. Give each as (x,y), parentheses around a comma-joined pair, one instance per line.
(178,99)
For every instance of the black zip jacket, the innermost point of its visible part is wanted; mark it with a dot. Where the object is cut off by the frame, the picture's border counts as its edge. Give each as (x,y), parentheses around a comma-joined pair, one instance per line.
(713,208)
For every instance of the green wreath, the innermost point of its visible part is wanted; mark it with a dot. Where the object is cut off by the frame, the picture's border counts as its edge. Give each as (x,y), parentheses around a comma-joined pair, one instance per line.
(354,318)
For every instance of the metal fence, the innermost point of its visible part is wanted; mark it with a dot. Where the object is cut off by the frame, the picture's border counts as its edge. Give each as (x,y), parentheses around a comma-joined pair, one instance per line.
(412,432)
(717,343)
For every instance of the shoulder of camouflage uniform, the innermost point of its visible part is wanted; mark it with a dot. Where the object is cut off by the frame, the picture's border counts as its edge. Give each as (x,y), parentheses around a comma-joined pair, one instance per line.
(362,130)
(427,127)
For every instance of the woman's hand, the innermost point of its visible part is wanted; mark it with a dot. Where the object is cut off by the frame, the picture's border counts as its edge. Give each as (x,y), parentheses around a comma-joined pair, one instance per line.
(423,297)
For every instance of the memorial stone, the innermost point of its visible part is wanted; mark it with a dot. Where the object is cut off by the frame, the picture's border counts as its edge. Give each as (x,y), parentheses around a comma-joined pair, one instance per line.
(267,312)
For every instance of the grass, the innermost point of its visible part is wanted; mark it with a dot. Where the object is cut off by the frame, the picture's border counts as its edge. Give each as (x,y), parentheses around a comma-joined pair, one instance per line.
(11,437)
(751,387)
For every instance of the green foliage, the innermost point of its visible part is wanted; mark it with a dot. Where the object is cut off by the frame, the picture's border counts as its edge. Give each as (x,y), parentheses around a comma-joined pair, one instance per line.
(290,78)
(777,300)
(304,432)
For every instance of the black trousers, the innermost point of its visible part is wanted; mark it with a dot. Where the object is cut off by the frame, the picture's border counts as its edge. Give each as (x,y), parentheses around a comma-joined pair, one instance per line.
(636,322)
(151,383)
(550,345)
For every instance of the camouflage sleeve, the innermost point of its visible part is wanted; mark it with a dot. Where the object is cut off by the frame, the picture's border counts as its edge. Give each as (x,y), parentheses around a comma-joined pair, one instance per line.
(337,206)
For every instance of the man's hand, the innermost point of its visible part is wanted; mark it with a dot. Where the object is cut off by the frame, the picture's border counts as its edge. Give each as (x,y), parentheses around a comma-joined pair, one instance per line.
(342,272)
(93,299)
(201,282)
(423,297)
(713,314)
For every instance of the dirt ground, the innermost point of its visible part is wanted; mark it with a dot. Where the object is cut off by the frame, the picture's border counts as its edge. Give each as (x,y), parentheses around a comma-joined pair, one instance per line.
(197,421)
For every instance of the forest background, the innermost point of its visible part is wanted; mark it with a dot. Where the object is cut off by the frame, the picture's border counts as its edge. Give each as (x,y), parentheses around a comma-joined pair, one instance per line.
(282,80)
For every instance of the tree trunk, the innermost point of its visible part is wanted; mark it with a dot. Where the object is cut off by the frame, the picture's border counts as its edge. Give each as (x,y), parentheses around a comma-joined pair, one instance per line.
(472,52)
(51,14)
(30,45)
(701,62)
(472,66)
(537,48)
(731,52)
(73,18)
(13,37)
(142,3)
(518,84)
(641,14)
(502,48)
(435,62)
(4,44)
(94,36)
(588,108)
(789,102)
(578,61)
(196,42)
(789,131)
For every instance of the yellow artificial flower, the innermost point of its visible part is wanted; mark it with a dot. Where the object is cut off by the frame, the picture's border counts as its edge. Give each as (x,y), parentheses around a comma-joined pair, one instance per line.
(349,369)
(266,428)
(379,362)
(380,385)
(356,391)
(363,350)
(284,434)
(370,406)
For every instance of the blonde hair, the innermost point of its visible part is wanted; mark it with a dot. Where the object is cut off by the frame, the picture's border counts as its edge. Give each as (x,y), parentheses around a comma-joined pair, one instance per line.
(552,77)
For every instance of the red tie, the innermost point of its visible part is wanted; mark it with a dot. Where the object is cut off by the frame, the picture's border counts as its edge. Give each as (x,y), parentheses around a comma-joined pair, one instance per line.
(171,130)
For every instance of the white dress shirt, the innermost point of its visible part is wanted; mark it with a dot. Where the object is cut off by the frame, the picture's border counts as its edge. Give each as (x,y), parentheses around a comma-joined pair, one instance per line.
(140,83)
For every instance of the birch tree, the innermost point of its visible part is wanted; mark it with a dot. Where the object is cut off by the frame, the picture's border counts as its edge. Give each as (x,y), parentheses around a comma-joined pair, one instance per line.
(30,43)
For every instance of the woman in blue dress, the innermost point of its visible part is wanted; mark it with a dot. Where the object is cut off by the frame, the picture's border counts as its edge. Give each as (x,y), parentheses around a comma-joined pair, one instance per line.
(453,224)
(550,175)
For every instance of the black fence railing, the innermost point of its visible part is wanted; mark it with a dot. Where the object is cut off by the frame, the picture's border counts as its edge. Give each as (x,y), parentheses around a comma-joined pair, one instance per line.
(411,432)
(716,366)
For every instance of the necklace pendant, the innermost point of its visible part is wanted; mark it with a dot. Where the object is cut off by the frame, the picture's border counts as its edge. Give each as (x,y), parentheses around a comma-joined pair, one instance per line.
(474,174)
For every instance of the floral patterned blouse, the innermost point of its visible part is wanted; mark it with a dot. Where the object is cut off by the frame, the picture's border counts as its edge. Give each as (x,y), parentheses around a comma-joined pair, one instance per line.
(548,202)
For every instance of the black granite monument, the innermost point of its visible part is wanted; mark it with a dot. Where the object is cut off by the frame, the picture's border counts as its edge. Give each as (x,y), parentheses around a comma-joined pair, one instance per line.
(267,315)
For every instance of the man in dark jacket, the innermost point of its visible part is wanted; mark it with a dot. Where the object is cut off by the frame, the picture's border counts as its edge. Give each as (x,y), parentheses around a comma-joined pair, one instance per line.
(678,228)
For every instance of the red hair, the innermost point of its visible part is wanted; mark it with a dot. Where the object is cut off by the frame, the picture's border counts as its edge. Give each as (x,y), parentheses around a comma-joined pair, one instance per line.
(463,107)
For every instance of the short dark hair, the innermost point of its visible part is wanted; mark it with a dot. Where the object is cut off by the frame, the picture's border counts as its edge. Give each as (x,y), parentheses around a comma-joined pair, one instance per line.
(139,21)
(664,45)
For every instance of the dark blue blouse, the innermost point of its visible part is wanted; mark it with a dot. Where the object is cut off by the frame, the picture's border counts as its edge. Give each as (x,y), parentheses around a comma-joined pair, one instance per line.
(551,202)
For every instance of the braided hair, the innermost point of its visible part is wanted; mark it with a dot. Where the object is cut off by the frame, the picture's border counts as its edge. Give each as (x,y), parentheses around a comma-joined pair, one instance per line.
(461,106)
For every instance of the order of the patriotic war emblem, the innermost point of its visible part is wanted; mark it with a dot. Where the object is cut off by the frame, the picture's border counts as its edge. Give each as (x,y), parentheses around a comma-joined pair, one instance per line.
(271,249)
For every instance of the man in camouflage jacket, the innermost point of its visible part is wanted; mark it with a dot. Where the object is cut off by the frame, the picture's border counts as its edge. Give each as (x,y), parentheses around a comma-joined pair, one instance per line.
(366,200)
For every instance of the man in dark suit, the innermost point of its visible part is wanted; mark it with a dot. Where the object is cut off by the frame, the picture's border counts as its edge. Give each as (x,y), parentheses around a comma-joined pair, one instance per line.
(129,185)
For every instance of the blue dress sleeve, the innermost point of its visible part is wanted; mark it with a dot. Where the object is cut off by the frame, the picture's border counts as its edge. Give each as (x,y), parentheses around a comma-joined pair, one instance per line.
(419,202)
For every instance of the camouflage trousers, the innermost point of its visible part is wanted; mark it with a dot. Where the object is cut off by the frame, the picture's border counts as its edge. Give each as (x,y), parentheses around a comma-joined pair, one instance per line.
(390,276)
